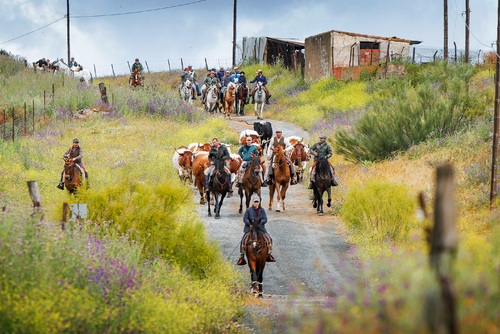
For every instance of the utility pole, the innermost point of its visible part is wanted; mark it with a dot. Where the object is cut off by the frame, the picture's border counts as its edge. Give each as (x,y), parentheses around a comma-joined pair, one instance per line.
(496,123)
(234,34)
(67,23)
(445,49)
(467,26)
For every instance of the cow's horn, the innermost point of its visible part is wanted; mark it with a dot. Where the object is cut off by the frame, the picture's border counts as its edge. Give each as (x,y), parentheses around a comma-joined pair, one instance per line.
(248,123)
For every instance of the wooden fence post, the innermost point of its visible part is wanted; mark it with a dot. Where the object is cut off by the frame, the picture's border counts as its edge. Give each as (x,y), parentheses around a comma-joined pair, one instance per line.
(102,89)
(147,66)
(64,215)
(3,137)
(35,193)
(113,69)
(33,117)
(62,75)
(443,244)
(25,118)
(169,69)
(414,55)
(13,123)
(53,93)
(95,72)
(44,101)
(206,64)
(182,65)
(129,66)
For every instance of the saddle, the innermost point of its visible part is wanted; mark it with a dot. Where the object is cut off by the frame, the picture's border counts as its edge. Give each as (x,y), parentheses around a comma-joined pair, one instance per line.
(266,239)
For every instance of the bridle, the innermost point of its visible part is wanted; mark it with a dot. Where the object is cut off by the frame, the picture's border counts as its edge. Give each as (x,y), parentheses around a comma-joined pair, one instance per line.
(276,165)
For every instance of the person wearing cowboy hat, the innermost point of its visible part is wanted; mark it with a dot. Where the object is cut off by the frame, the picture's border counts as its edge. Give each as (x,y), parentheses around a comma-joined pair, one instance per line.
(319,150)
(137,66)
(193,74)
(221,74)
(210,80)
(75,154)
(260,78)
(225,82)
(256,211)
(236,74)
(245,152)
(279,140)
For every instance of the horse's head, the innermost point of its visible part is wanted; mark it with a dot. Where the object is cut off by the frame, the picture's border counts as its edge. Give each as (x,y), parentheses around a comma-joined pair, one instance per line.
(278,157)
(255,164)
(69,166)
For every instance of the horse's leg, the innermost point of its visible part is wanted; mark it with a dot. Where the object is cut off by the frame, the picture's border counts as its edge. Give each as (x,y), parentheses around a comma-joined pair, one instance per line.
(216,210)
(315,203)
(223,195)
(200,190)
(329,190)
(256,113)
(283,194)
(209,213)
(261,279)
(272,187)
(247,197)
(240,192)
(278,193)
(320,204)
(261,109)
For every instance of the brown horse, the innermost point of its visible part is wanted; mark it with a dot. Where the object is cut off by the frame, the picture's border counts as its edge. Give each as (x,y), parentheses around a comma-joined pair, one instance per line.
(281,173)
(298,158)
(322,183)
(251,182)
(256,250)
(200,163)
(72,176)
(135,79)
(229,98)
(241,98)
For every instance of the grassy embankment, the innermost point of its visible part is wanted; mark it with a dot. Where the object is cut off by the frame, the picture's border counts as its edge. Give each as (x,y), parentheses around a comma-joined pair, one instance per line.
(389,135)
(141,263)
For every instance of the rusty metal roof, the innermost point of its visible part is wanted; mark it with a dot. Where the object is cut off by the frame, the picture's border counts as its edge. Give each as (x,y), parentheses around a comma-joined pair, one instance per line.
(395,39)
(288,40)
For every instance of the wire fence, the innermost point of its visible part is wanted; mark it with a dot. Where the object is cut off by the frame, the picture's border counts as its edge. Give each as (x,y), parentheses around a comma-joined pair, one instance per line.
(430,54)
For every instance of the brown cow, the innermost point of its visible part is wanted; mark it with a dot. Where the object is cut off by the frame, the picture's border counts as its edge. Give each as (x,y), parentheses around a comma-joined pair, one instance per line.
(299,158)
(234,164)
(200,163)
(183,163)
(198,147)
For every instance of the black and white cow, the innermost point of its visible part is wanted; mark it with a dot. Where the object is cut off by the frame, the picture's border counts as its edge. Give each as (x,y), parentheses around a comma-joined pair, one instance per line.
(265,130)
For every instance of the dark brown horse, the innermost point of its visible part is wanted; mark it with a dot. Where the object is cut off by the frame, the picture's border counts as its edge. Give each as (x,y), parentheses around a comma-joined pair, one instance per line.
(220,185)
(256,249)
(135,79)
(299,157)
(72,176)
(241,98)
(251,182)
(322,183)
(281,173)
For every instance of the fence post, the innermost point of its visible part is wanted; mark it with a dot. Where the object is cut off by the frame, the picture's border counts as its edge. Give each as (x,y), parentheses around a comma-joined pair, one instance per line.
(147,65)
(169,69)
(206,65)
(443,244)
(102,89)
(112,69)
(13,128)
(413,55)
(62,74)
(182,65)
(25,118)
(35,194)
(64,215)
(33,117)
(434,57)
(3,137)
(53,93)
(129,66)
(95,72)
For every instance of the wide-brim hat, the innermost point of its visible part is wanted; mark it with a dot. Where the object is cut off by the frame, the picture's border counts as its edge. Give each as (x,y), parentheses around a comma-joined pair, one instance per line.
(259,71)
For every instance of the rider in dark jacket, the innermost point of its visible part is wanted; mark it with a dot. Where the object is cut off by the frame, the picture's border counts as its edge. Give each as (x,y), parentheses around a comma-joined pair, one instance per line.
(74,153)
(212,155)
(220,74)
(255,212)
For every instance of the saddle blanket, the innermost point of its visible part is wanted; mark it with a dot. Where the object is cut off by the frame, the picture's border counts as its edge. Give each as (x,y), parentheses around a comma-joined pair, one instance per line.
(213,171)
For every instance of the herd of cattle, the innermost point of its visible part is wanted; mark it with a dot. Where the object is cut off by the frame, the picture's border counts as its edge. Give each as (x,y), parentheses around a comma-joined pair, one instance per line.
(191,162)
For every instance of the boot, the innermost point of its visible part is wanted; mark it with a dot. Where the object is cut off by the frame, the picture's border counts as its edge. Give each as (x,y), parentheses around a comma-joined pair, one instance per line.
(241,261)
(293,181)
(270,258)
(265,183)
(267,100)
(334,183)
(253,100)
(311,185)
(88,185)
(248,99)
(61,186)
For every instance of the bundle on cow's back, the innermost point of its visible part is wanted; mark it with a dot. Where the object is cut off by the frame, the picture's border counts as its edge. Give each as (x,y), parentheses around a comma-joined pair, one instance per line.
(265,130)
(249,133)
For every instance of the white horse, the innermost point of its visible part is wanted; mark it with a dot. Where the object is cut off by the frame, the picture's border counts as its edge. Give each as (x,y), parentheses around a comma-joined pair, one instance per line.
(259,98)
(187,91)
(83,75)
(212,98)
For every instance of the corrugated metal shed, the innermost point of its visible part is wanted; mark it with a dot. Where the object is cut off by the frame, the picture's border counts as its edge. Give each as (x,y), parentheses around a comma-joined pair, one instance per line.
(266,50)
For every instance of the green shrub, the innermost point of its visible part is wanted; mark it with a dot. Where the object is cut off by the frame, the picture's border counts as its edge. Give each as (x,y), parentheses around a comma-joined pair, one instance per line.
(379,210)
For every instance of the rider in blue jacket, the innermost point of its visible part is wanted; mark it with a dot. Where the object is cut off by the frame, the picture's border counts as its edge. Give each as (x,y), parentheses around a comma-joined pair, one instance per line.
(263,80)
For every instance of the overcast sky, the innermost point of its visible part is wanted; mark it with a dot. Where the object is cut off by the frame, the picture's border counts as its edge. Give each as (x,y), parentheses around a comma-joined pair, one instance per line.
(204,30)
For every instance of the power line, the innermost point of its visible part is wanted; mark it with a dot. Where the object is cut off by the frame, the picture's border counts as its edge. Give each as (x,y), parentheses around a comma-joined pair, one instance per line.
(45,26)
(139,11)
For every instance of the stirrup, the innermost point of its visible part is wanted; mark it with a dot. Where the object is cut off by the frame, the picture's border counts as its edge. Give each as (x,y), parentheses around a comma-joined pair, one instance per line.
(311,185)
(241,261)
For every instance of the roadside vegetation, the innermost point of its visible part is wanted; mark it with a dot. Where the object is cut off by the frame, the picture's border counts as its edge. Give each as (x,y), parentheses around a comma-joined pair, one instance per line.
(388,136)
(141,261)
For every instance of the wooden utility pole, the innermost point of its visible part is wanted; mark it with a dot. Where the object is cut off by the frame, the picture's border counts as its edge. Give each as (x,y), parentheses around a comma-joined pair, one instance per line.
(67,23)
(445,49)
(467,26)
(496,123)
(234,34)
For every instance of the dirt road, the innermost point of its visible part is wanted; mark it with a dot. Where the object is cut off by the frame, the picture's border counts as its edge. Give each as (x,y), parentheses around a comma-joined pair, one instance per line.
(308,248)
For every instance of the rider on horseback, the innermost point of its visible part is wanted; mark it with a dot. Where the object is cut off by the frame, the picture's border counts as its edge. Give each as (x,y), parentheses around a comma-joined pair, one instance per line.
(242,80)
(236,74)
(75,154)
(221,74)
(319,150)
(245,153)
(184,77)
(256,212)
(136,66)
(212,155)
(72,62)
(208,82)
(279,140)
(225,82)
(263,80)
(193,74)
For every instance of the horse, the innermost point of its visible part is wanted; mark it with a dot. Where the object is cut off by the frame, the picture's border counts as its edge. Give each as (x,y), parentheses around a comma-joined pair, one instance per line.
(229,98)
(187,91)
(135,79)
(256,250)
(322,183)
(83,75)
(212,98)
(299,159)
(251,182)
(281,178)
(72,176)
(241,98)
(259,98)
(220,185)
